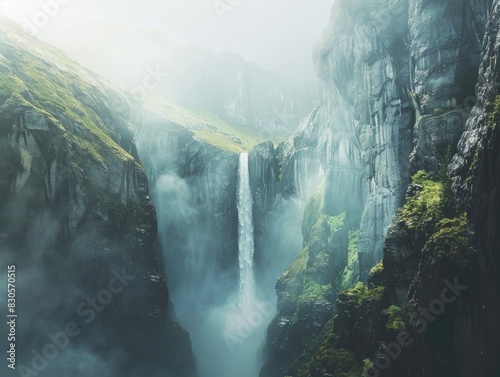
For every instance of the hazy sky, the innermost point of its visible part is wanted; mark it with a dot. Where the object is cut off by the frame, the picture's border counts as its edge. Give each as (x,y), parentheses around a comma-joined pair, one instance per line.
(277,34)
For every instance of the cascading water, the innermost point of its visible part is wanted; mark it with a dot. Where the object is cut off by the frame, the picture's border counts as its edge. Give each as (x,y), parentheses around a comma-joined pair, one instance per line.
(245,236)
(226,334)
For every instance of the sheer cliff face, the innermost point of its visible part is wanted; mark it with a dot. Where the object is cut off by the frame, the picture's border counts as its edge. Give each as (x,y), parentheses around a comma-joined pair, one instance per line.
(395,78)
(463,250)
(397,87)
(75,214)
(474,171)
(364,73)
(194,187)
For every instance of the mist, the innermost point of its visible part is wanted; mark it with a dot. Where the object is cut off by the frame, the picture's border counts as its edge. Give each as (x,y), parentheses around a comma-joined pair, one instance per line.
(203,82)
(220,188)
(278,35)
(52,303)
(196,188)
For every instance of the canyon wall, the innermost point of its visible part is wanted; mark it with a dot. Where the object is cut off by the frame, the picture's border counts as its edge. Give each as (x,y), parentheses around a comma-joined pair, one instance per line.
(77,221)
(397,90)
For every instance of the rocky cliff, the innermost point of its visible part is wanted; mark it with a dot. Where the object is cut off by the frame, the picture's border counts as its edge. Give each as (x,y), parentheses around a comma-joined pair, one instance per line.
(385,186)
(77,221)
(381,208)
(194,186)
(397,93)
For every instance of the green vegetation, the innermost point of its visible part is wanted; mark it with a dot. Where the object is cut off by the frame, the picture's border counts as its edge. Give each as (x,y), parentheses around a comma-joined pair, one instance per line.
(376,270)
(432,202)
(332,225)
(494,119)
(367,365)
(336,223)
(473,165)
(450,241)
(327,359)
(313,211)
(425,207)
(210,128)
(361,293)
(9,85)
(376,275)
(314,218)
(350,275)
(42,78)
(395,319)
(299,265)
(431,214)
(301,279)
(313,290)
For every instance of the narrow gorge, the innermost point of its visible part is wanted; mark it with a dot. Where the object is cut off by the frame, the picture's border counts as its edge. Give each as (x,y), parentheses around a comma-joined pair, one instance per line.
(363,243)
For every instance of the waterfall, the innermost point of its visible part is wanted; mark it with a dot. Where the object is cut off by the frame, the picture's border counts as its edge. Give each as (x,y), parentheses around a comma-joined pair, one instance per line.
(245,236)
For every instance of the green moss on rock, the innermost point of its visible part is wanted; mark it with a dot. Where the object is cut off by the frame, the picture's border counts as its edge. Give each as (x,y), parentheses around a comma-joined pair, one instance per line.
(299,265)
(376,276)
(327,358)
(350,274)
(314,291)
(494,120)
(450,241)
(425,207)
(60,90)
(313,211)
(395,320)
(361,293)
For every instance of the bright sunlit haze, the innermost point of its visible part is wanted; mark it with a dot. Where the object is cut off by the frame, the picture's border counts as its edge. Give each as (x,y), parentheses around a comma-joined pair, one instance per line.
(277,35)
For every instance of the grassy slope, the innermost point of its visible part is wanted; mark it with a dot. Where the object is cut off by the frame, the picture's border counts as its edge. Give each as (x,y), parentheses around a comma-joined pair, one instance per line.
(38,76)
(41,77)
(208,127)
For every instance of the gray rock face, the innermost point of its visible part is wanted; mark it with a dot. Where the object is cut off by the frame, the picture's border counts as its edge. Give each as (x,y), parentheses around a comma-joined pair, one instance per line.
(194,187)
(474,171)
(369,116)
(383,67)
(436,137)
(75,210)
(475,137)
(274,233)
(446,39)
(397,80)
